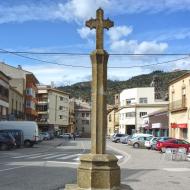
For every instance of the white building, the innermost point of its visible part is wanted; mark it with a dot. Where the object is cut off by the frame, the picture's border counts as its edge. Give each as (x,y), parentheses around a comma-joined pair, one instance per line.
(53,109)
(134,104)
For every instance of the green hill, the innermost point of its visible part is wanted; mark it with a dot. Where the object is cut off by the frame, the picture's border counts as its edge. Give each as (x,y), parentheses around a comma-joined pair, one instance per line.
(82,89)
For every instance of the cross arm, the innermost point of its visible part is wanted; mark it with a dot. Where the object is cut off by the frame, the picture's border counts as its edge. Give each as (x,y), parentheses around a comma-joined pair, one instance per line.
(91,23)
(108,24)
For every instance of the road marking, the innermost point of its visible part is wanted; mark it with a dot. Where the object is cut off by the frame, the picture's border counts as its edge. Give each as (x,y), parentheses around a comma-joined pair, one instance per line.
(27,155)
(55,156)
(69,156)
(177,169)
(42,155)
(12,168)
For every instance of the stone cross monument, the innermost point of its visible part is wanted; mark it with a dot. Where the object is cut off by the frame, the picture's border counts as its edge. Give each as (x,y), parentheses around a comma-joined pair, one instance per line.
(98,170)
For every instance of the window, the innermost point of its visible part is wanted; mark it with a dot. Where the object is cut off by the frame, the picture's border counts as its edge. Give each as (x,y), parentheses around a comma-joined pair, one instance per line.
(184,133)
(85,122)
(110,118)
(60,107)
(60,116)
(83,114)
(87,114)
(130,114)
(61,98)
(28,104)
(142,114)
(143,100)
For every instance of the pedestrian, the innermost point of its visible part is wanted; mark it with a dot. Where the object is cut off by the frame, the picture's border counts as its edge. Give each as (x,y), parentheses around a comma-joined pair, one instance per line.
(74,136)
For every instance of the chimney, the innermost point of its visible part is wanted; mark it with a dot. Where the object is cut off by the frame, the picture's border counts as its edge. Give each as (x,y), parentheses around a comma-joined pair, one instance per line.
(19,67)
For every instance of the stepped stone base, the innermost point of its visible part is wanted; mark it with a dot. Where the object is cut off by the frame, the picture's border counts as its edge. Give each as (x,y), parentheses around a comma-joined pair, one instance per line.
(97,172)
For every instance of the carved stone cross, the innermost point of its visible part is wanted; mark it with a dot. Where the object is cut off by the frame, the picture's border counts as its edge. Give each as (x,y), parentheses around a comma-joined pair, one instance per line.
(99,24)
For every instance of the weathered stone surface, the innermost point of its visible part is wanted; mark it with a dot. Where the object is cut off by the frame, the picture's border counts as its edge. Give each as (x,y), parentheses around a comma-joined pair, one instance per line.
(98,171)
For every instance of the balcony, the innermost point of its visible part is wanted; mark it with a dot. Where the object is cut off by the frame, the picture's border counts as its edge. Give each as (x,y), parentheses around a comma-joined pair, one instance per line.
(179,105)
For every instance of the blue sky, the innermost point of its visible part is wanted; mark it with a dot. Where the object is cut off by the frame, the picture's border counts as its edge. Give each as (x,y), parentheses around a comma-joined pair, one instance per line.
(141,26)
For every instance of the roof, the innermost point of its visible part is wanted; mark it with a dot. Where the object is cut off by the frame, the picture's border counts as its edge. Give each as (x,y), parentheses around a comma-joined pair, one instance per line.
(158,112)
(58,91)
(5,75)
(31,74)
(179,78)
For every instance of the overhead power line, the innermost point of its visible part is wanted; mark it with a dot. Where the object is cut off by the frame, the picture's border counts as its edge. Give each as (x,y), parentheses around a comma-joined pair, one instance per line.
(81,66)
(87,54)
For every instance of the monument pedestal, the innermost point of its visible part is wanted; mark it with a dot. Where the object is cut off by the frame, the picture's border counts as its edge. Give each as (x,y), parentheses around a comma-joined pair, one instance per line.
(97,172)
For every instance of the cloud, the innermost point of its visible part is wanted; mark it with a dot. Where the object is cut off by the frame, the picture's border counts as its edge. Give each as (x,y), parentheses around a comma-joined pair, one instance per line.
(119,31)
(85,32)
(80,10)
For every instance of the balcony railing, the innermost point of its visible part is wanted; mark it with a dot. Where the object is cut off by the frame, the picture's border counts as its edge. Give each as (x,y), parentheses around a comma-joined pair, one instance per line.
(179,105)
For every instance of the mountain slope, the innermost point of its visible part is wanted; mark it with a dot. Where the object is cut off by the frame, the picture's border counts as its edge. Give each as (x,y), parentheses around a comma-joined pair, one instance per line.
(82,89)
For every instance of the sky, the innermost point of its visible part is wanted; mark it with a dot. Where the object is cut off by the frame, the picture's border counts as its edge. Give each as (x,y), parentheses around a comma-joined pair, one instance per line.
(140,27)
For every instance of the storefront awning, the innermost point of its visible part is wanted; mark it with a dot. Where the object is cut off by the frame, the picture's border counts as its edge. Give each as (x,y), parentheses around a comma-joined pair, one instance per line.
(180,125)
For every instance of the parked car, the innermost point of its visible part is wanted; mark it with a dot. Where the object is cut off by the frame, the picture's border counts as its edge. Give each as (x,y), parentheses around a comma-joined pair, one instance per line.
(116,137)
(149,144)
(17,134)
(172,143)
(139,142)
(7,141)
(45,135)
(136,136)
(66,135)
(29,128)
(125,139)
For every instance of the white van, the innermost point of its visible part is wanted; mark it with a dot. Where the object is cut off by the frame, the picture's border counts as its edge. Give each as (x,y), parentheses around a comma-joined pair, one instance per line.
(29,128)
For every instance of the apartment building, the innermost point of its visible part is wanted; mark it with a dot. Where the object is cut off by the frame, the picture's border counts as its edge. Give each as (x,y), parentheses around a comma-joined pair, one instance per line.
(112,122)
(4,96)
(71,127)
(134,104)
(179,107)
(82,118)
(16,104)
(53,109)
(25,83)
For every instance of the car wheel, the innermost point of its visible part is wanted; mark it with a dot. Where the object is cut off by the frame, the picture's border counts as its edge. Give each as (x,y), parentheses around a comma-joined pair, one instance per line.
(27,143)
(136,145)
(3,147)
(45,138)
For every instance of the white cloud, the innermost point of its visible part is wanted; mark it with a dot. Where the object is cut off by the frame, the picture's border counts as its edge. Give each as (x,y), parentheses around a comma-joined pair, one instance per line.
(119,31)
(80,10)
(150,47)
(85,32)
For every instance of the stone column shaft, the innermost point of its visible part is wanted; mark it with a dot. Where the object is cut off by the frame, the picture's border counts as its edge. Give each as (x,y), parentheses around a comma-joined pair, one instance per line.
(99,60)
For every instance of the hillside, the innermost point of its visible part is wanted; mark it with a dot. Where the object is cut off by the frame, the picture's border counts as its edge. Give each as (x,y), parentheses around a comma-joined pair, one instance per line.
(82,89)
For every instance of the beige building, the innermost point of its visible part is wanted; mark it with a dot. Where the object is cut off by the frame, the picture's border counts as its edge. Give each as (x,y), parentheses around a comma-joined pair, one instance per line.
(112,122)
(16,102)
(4,96)
(53,109)
(25,83)
(71,127)
(179,110)
(82,118)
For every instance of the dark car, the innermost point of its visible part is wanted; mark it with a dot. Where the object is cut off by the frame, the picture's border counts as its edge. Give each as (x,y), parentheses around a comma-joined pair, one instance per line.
(17,134)
(7,141)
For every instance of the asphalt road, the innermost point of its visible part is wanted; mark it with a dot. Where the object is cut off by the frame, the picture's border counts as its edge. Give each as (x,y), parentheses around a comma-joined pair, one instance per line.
(52,164)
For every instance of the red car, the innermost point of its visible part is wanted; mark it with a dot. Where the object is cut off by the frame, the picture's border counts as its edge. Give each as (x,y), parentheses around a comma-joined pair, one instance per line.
(172,143)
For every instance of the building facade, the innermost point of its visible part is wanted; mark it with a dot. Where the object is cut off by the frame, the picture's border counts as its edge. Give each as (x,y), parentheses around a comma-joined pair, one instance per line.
(156,123)
(16,104)
(134,104)
(82,118)
(4,96)
(71,127)
(112,122)
(53,109)
(179,107)
(25,83)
